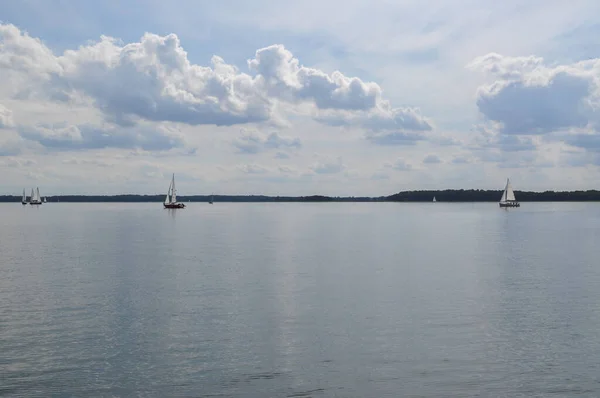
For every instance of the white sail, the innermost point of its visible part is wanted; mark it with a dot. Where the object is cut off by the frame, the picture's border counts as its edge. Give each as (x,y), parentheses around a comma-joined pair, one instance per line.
(32,197)
(508,195)
(434,199)
(24,197)
(168,198)
(37,194)
(173,192)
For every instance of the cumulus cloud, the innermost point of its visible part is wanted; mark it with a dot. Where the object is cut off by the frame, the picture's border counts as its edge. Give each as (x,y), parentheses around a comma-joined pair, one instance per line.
(10,145)
(491,138)
(6,118)
(461,160)
(63,136)
(252,169)
(590,142)
(328,166)
(432,159)
(399,165)
(395,138)
(282,155)
(88,162)
(256,142)
(17,162)
(284,77)
(381,118)
(154,80)
(287,169)
(528,97)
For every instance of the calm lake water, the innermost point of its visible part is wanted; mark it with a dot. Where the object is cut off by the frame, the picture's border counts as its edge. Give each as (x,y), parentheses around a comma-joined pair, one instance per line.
(300,300)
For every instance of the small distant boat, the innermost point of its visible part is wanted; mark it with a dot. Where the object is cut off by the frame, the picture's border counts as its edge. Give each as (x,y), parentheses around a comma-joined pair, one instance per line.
(508,197)
(24,199)
(44,199)
(210,202)
(434,199)
(171,199)
(35,197)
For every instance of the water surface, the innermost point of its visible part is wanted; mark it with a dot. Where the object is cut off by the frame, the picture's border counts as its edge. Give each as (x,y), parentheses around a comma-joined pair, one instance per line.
(300,300)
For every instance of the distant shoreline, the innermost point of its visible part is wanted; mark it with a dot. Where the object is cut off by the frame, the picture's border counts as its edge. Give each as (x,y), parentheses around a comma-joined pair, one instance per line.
(450,195)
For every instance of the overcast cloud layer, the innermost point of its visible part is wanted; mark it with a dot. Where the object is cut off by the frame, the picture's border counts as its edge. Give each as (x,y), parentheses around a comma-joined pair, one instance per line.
(414,96)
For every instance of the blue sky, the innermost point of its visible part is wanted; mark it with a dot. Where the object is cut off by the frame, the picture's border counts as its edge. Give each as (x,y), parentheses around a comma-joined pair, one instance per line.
(314,97)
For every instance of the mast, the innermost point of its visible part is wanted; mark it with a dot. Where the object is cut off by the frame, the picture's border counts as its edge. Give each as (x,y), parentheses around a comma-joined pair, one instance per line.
(503,198)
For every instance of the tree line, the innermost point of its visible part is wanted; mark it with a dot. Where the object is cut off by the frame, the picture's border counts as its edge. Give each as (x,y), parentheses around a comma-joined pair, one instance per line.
(449,195)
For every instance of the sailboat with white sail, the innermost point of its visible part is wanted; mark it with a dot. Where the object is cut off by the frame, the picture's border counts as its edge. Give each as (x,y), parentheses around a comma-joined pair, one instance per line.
(171,199)
(24,198)
(508,196)
(434,199)
(35,197)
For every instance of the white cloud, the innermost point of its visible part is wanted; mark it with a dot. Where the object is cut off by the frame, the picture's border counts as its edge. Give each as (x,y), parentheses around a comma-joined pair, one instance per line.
(252,169)
(17,162)
(462,160)
(399,165)
(255,142)
(432,159)
(282,155)
(283,77)
(114,116)
(328,166)
(154,80)
(527,96)
(287,169)
(394,138)
(64,136)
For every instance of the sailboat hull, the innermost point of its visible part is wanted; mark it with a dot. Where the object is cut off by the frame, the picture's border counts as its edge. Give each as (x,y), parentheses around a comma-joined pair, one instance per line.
(35,203)
(509,204)
(174,205)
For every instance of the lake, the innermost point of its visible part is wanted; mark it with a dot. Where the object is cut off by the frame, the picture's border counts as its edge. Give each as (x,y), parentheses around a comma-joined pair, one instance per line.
(300,300)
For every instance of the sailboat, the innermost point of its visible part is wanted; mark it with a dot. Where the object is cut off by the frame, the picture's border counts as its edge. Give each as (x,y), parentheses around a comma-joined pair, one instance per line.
(44,199)
(24,199)
(508,197)
(434,199)
(171,199)
(35,197)
(210,202)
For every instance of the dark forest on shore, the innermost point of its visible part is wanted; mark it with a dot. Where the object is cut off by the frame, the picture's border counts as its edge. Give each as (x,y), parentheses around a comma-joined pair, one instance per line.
(449,195)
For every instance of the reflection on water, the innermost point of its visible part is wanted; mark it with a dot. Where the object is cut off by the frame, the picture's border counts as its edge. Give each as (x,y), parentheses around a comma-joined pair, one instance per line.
(300,300)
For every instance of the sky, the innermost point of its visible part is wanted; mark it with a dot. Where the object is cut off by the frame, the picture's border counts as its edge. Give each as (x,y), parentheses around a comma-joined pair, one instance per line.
(323,97)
